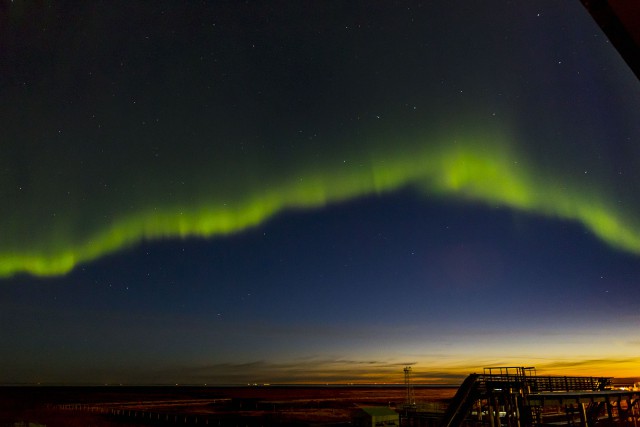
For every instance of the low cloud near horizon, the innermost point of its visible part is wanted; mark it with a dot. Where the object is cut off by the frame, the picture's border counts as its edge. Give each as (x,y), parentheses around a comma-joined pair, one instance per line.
(332,371)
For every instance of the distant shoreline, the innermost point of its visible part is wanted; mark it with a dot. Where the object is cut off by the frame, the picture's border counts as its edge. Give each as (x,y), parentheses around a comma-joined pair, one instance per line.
(213,386)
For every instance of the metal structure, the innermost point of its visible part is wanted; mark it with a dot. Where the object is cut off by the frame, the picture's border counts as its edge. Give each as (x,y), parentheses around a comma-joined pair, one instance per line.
(517,397)
(410,399)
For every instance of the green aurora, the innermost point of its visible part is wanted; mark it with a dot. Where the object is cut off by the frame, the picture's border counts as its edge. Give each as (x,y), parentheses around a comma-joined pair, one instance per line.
(480,169)
(156,134)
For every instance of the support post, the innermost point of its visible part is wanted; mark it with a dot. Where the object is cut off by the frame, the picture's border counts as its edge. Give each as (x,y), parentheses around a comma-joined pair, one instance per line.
(583,415)
(490,412)
(609,412)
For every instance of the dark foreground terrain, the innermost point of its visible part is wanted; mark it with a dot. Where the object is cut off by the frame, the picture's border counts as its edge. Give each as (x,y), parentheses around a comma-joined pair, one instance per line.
(219,406)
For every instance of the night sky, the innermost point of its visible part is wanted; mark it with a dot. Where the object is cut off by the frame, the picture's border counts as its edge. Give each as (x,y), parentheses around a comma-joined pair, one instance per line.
(277,192)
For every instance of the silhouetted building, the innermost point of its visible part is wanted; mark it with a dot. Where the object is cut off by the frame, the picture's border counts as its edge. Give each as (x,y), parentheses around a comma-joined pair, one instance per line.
(376,416)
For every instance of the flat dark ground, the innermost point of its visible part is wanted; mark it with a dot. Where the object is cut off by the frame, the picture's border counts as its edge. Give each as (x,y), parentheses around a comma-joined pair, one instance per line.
(266,405)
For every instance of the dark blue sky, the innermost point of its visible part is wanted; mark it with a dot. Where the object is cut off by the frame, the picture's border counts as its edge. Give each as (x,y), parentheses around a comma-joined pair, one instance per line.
(233,193)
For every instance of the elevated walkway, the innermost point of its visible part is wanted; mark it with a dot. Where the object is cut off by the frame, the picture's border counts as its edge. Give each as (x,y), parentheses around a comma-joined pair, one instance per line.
(516,397)
(462,402)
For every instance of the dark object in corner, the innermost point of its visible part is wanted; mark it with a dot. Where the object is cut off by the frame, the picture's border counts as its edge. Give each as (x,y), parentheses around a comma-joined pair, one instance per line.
(620,21)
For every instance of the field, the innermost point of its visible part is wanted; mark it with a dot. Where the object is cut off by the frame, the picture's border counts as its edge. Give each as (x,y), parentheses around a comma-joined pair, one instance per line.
(223,406)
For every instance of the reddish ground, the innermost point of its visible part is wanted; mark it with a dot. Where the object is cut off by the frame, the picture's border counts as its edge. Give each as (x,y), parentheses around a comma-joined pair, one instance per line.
(268,405)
